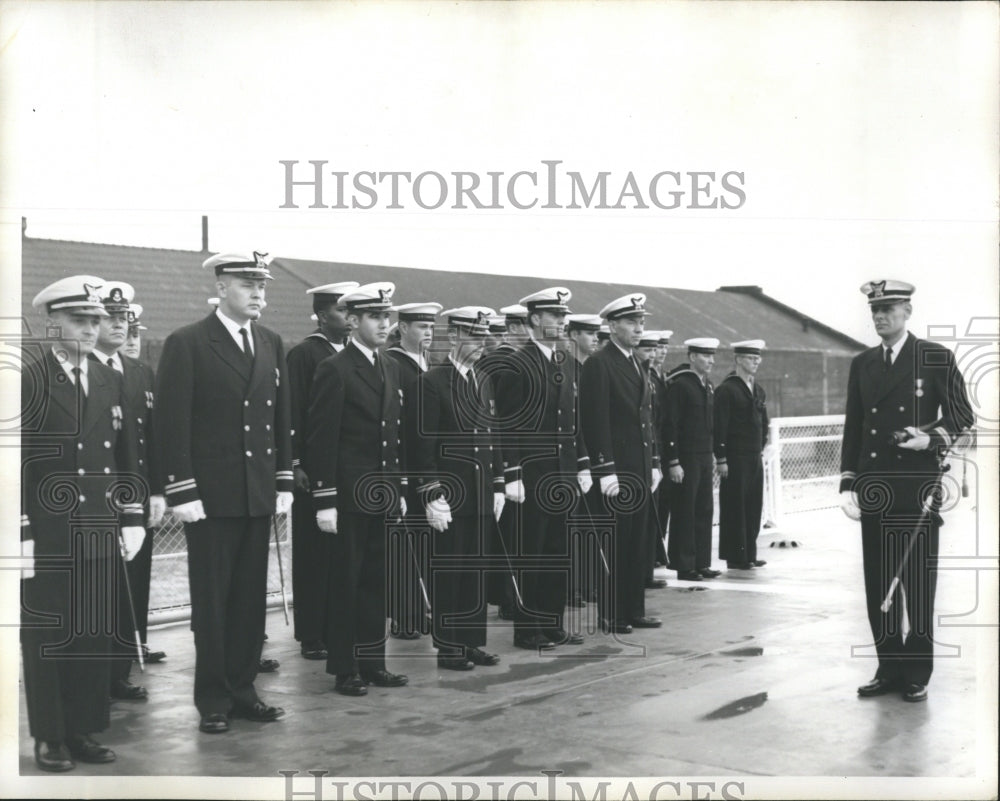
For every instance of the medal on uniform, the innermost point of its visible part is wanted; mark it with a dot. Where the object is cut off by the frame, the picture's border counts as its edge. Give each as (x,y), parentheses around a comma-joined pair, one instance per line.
(116,418)
(277,377)
(149,399)
(920,388)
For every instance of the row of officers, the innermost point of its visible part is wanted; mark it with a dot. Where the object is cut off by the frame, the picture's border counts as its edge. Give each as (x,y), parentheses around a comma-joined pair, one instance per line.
(417,492)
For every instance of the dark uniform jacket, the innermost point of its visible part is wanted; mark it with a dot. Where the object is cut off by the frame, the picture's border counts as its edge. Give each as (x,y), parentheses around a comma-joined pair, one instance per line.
(72,463)
(353,432)
(537,403)
(687,415)
(303,360)
(617,404)
(222,428)
(741,423)
(450,443)
(924,389)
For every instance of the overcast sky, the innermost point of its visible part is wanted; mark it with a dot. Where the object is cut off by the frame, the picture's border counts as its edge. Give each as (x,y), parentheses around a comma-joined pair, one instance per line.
(866,135)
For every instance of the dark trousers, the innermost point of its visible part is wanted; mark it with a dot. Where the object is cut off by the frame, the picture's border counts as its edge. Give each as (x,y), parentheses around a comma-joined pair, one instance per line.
(741,498)
(623,598)
(883,543)
(67,618)
(655,550)
(691,506)
(356,603)
(501,543)
(409,560)
(459,585)
(544,539)
(140,571)
(227,572)
(123,645)
(310,565)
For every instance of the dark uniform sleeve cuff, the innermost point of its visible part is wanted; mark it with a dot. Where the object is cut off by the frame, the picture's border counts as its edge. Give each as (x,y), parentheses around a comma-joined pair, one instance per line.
(512,474)
(583,463)
(181,492)
(847,479)
(324,497)
(25,528)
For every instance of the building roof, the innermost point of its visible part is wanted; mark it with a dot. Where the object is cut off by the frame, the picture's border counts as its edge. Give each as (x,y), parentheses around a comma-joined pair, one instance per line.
(172,287)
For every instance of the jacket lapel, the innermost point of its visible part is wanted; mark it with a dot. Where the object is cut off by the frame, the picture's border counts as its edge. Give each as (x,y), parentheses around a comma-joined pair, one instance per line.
(871,386)
(625,366)
(63,392)
(902,368)
(225,347)
(363,367)
(99,398)
(263,359)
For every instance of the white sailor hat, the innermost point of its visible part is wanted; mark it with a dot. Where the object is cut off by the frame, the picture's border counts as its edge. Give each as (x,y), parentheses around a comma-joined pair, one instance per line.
(474,320)
(583,322)
(418,312)
(603,333)
(665,337)
(213,302)
(553,299)
(79,294)
(240,264)
(748,347)
(702,344)
(370,297)
(887,291)
(326,294)
(649,339)
(515,314)
(498,324)
(631,305)
(133,314)
(116,296)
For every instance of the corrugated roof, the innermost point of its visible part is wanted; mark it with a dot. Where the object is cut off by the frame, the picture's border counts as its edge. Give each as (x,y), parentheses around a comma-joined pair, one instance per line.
(172,288)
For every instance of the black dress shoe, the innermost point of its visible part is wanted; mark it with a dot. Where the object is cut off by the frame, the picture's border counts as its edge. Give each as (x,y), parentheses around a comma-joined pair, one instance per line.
(215,723)
(709,573)
(758,562)
(267,665)
(563,637)
(616,627)
(350,684)
(383,678)
(86,749)
(878,686)
(505,612)
(152,657)
(646,622)
(454,663)
(740,565)
(479,657)
(53,757)
(656,584)
(914,693)
(258,711)
(125,690)
(532,642)
(313,649)
(689,575)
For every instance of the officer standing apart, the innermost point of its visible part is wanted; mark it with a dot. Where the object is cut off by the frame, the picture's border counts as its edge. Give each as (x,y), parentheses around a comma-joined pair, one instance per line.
(133,596)
(540,445)
(76,445)
(406,606)
(225,454)
(912,388)
(687,440)
(617,407)
(458,473)
(309,544)
(353,458)
(741,430)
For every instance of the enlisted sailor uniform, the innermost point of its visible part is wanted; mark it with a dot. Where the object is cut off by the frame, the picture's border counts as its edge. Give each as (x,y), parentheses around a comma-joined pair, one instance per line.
(920,386)
(223,429)
(740,432)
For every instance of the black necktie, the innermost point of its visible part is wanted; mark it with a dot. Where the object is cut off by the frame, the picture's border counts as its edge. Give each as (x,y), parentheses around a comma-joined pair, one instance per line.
(247,350)
(887,366)
(78,375)
(635,364)
(111,362)
(378,372)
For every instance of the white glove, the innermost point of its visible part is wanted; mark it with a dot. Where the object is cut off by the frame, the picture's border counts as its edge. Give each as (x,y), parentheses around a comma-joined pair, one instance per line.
(768,453)
(326,519)
(438,514)
(132,537)
(676,473)
(514,491)
(28,559)
(157,507)
(918,441)
(190,512)
(498,503)
(609,486)
(283,503)
(585,480)
(402,506)
(849,504)
(657,478)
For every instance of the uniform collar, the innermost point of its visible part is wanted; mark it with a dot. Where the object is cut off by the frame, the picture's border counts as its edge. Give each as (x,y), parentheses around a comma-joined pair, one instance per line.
(103,357)
(68,366)
(545,349)
(897,347)
(369,353)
